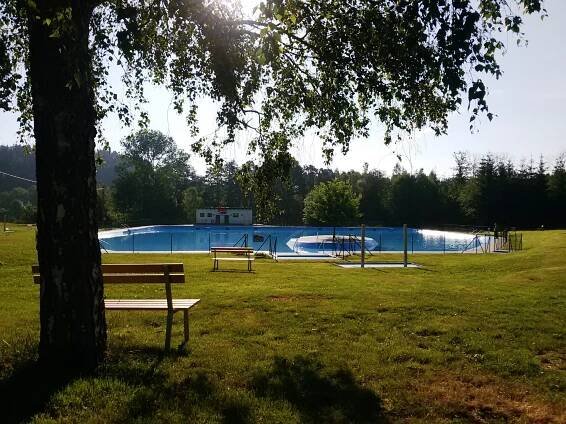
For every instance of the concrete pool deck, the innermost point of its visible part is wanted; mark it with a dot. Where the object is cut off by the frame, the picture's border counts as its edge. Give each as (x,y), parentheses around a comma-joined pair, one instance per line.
(379,265)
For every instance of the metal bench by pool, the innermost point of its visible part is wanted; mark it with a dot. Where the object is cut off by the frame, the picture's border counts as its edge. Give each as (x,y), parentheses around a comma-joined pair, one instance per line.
(287,241)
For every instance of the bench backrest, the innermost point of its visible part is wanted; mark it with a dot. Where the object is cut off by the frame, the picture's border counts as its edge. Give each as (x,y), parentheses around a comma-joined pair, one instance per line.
(137,274)
(232,249)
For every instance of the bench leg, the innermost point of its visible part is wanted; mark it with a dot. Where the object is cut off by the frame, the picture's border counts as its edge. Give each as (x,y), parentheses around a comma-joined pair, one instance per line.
(186,325)
(168,331)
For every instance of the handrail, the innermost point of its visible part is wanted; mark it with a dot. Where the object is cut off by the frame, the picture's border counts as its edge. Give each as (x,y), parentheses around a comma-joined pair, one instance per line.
(360,243)
(102,241)
(274,249)
(468,245)
(477,241)
(244,241)
(264,241)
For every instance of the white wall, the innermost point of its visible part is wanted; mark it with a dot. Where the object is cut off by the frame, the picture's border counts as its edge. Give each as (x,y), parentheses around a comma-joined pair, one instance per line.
(235,216)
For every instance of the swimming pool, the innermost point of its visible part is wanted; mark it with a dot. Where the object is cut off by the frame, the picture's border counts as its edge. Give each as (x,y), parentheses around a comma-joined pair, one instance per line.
(285,240)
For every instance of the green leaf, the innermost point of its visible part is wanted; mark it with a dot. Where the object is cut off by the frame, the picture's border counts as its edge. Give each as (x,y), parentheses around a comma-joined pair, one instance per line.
(260,56)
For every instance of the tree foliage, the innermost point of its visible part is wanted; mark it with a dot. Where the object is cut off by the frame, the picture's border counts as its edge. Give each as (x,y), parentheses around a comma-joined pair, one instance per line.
(525,195)
(152,178)
(332,203)
(326,65)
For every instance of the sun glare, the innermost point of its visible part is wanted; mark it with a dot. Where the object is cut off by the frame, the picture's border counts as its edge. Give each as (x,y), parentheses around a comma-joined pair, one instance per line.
(246,6)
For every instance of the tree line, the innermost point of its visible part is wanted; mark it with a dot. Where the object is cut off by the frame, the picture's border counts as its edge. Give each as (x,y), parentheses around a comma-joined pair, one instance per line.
(153,182)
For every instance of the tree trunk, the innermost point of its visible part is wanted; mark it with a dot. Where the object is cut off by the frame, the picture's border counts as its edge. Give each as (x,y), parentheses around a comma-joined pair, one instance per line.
(73,326)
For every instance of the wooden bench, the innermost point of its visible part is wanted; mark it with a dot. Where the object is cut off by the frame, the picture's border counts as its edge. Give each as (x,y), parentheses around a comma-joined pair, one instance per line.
(165,274)
(246,251)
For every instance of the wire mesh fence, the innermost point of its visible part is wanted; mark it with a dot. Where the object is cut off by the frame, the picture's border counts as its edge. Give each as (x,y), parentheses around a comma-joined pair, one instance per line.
(322,240)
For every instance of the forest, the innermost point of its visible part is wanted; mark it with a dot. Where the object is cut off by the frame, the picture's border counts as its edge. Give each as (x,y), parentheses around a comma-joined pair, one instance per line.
(155,183)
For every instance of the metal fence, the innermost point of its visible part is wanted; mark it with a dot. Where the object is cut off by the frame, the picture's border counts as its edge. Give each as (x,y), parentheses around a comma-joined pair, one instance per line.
(335,241)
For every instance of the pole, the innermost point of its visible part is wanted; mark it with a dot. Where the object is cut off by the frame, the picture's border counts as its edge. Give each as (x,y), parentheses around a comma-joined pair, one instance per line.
(405,245)
(363,245)
(171,243)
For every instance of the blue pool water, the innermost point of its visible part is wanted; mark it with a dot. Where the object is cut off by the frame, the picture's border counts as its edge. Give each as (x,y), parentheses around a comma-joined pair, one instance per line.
(288,240)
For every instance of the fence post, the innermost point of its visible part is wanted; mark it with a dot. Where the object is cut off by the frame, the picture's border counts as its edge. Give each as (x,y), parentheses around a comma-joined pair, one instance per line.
(444,243)
(133,243)
(363,245)
(405,245)
(171,243)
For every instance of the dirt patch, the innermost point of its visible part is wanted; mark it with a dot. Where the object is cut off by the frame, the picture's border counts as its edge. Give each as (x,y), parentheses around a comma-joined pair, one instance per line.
(553,360)
(484,399)
(280,298)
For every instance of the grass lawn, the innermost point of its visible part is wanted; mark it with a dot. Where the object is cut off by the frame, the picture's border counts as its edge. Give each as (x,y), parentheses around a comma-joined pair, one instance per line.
(467,338)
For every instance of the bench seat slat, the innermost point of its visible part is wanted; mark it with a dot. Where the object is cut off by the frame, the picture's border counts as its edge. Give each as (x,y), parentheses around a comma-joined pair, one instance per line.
(149,304)
(134,278)
(232,259)
(141,268)
(132,268)
(142,278)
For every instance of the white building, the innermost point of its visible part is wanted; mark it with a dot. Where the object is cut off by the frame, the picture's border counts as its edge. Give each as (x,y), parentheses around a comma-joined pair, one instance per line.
(224,216)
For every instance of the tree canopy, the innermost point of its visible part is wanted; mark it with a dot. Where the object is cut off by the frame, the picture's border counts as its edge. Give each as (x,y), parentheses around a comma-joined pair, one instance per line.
(151,179)
(327,65)
(332,203)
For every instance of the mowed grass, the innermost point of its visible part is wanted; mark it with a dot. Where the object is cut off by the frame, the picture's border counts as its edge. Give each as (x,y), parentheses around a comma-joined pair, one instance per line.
(467,338)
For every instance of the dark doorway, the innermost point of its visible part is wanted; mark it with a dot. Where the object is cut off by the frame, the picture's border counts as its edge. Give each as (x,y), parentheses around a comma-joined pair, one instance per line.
(226,219)
(217,219)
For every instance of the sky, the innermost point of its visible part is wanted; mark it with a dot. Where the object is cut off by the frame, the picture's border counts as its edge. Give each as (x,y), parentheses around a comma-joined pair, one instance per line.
(529,102)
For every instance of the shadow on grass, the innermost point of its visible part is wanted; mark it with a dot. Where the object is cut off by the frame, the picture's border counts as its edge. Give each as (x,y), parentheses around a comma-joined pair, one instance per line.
(135,384)
(198,393)
(318,394)
(27,391)
(156,396)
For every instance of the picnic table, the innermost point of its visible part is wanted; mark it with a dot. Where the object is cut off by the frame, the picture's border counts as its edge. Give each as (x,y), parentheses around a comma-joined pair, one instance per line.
(246,252)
